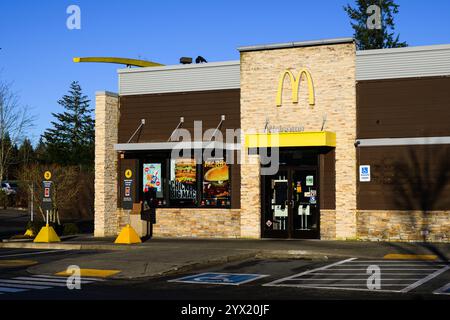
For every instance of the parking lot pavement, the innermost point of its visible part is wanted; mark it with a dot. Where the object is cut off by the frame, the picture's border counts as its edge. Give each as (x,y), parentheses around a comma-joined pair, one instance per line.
(445,290)
(37,282)
(367,275)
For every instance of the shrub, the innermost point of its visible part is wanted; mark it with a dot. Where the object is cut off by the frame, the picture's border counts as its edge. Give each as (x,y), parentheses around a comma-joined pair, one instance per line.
(3,199)
(35,226)
(70,229)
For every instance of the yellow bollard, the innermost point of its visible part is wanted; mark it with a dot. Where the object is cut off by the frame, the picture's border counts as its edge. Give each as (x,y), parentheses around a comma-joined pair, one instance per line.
(47,235)
(128,236)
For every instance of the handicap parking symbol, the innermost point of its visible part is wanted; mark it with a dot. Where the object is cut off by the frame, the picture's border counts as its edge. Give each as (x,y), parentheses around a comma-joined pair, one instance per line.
(234,279)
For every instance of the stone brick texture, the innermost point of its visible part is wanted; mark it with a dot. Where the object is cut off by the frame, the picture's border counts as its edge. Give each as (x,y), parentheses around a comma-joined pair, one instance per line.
(333,71)
(106,135)
(403,225)
(197,223)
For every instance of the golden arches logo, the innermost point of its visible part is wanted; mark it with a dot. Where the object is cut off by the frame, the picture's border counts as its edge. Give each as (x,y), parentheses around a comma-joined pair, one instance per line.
(295,84)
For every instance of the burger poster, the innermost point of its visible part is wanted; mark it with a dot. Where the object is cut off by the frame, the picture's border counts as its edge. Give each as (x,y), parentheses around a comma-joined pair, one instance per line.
(216,182)
(152,177)
(183,179)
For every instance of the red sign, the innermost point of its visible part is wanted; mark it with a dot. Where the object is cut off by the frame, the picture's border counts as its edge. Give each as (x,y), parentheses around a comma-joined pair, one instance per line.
(47,192)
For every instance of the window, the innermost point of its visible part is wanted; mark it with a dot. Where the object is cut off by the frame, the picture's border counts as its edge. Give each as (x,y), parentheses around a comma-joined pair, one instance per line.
(216,183)
(183,181)
(186,183)
(152,178)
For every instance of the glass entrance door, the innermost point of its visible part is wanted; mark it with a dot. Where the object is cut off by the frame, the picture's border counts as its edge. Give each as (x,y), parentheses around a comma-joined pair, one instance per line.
(290,204)
(276,209)
(305,204)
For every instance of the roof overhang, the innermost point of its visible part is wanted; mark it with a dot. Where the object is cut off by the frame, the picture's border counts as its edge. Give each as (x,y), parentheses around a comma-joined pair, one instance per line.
(149,146)
(291,139)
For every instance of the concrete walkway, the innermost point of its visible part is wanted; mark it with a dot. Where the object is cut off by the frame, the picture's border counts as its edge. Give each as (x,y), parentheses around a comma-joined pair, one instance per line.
(158,257)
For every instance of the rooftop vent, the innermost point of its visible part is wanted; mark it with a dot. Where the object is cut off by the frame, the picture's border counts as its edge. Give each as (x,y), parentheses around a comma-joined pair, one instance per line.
(200,59)
(185,60)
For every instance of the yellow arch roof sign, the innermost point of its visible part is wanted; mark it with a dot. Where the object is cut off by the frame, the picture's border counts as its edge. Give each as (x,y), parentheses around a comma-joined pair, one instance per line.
(125,61)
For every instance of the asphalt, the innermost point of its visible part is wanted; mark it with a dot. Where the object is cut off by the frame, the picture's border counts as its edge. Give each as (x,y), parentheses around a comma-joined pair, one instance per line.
(158,257)
(12,222)
(260,290)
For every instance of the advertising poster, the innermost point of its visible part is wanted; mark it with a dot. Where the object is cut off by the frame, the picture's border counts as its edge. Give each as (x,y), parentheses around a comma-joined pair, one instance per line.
(183,179)
(152,178)
(216,183)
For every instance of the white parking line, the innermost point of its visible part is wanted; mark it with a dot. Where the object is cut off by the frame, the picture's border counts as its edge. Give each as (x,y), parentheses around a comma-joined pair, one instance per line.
(11,290)
(351,274)
(426,279)
(14,281)
(32,253)
(443,290)
(23,286)
(62,277)
(274,283)
(36,282)
(50,280)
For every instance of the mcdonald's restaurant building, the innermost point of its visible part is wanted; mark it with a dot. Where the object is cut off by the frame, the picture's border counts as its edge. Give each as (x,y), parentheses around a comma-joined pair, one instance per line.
(332,143)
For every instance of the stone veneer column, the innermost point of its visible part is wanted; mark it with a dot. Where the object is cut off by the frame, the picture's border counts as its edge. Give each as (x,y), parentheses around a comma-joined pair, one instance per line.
(333,71)
(106,135)
(250,196)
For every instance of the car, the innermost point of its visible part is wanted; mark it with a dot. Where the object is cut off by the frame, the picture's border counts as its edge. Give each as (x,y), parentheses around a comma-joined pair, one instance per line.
(8,189)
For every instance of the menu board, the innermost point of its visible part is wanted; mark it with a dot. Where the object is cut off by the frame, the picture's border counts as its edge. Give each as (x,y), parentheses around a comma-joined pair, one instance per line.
(183,179)
(152,178)
(216,183)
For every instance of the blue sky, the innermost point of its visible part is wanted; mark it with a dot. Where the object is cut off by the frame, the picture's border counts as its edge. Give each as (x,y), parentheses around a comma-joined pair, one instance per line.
(37,48)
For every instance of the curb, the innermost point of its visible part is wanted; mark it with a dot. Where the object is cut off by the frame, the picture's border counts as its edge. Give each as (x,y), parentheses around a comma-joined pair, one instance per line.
(67,246)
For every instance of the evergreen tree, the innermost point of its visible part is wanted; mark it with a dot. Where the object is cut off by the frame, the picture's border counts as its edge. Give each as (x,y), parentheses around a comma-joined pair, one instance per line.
(71,140)
(41,152)
(26,154)
(374,38)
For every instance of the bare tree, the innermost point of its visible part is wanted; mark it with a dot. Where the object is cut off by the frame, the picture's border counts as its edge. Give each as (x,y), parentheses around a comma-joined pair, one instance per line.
(66,187)
(15,121)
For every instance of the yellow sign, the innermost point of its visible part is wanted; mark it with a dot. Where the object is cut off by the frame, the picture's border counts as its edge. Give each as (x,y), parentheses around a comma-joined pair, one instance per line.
(295,84)
(47,175)
(128,173)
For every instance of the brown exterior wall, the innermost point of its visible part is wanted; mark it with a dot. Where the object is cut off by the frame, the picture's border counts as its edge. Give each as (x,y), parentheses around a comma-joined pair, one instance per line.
(409,191)
(163,111)
(405,178)
(399,108)
(327,164)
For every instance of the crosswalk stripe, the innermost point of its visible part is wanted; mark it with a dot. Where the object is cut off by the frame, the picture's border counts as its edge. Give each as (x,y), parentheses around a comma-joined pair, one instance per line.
(37,282)
(62,277)
(387,269)
(357,279)
(400,265)
(23,286)
(50,280)
(51,284)
(12,290)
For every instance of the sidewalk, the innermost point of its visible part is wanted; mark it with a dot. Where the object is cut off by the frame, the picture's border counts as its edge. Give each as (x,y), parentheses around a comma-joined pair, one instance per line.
(158,257)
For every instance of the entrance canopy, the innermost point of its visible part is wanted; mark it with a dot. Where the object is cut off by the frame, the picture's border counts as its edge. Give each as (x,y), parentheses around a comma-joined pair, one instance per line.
(291,139)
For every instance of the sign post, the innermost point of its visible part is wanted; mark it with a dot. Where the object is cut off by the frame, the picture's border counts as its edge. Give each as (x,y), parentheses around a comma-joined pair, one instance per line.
(29,232)
(47,233)
(128,235)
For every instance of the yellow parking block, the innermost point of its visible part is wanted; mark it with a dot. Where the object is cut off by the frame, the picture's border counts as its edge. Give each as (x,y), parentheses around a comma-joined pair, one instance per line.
(95,273)
(16,263)
(398,256)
